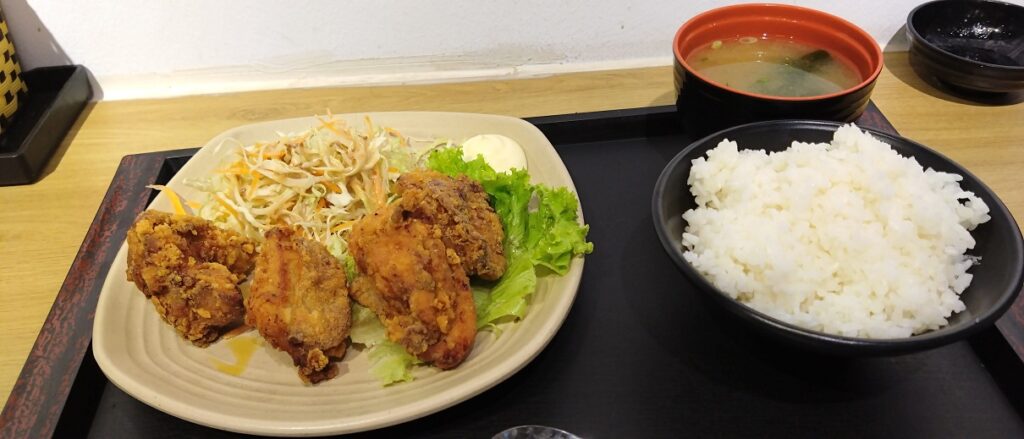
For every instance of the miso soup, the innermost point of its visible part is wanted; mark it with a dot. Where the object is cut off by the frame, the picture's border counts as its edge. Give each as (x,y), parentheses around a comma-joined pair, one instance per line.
(773,66)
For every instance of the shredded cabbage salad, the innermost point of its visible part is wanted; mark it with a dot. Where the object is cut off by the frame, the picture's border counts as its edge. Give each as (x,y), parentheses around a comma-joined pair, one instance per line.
(321,180)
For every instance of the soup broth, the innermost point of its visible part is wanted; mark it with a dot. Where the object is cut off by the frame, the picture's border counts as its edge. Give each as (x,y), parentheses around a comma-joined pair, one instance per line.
(773,66)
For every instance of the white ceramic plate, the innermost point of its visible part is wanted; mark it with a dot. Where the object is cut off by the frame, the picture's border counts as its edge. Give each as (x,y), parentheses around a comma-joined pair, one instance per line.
(145,357)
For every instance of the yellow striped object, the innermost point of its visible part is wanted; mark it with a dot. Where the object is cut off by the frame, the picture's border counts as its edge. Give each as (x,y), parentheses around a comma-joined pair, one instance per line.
(11,85)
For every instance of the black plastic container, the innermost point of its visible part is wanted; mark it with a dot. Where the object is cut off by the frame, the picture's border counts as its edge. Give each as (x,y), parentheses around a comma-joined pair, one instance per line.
(970,46)
(57,95)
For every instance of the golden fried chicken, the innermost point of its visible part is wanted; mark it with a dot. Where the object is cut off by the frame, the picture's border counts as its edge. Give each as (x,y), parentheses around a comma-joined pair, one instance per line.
(415,285)
(459,210)
(299,302)
(205,304)
(189,268)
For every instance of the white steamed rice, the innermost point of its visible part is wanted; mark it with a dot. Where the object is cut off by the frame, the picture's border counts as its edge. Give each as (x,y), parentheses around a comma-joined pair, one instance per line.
(848,238)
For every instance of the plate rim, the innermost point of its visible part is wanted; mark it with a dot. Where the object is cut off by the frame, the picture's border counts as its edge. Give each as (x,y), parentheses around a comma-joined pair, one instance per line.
(339,424)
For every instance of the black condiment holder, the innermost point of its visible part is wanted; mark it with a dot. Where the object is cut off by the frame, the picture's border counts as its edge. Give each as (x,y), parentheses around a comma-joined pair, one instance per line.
(57,95)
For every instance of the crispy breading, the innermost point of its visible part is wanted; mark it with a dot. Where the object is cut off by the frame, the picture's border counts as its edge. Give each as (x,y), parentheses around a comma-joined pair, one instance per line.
(458,208)
(189,268)
(205,304)
(415,285)
(299,302)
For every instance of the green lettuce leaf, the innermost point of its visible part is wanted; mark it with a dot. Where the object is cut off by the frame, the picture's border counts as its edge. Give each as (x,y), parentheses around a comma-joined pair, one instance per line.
(389,361)
(549,236)
(366,327)
(554,235)
(338,248)
(481,296)
(509,297)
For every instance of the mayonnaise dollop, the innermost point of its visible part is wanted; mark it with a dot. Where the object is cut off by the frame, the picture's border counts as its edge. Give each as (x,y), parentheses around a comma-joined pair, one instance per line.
(501,152)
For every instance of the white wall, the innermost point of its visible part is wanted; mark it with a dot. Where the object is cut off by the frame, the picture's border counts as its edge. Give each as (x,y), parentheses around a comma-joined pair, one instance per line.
(174,47)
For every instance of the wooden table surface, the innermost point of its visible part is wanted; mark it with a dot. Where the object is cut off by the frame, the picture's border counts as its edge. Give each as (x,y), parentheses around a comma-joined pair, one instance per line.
(43,224)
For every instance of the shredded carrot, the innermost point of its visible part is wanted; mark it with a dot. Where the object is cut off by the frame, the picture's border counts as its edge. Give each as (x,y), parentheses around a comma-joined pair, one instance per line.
(239,168)
(256,176)
(357,188)
(231,172)
(343,226)
(173,196)
(329,124)
(274,155)
(227,206)
(331,186)
(344,133)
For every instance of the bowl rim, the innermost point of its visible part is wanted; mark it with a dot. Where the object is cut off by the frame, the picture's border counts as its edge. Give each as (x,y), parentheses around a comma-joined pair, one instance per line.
(916,36)
(876,52)
(927,340)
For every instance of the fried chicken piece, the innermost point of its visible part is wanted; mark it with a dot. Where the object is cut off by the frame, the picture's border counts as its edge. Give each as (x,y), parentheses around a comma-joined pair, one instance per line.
(299,302)
(189,268)
(458,208)
(415,285)
(206,304)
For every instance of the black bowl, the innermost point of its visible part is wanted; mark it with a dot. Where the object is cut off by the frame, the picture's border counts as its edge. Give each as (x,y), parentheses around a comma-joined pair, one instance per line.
(705,107)
(997,280)
(972,46)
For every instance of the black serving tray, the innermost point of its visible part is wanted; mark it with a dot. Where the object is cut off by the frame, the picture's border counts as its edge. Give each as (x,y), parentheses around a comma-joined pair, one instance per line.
(641,354)
(56,97)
